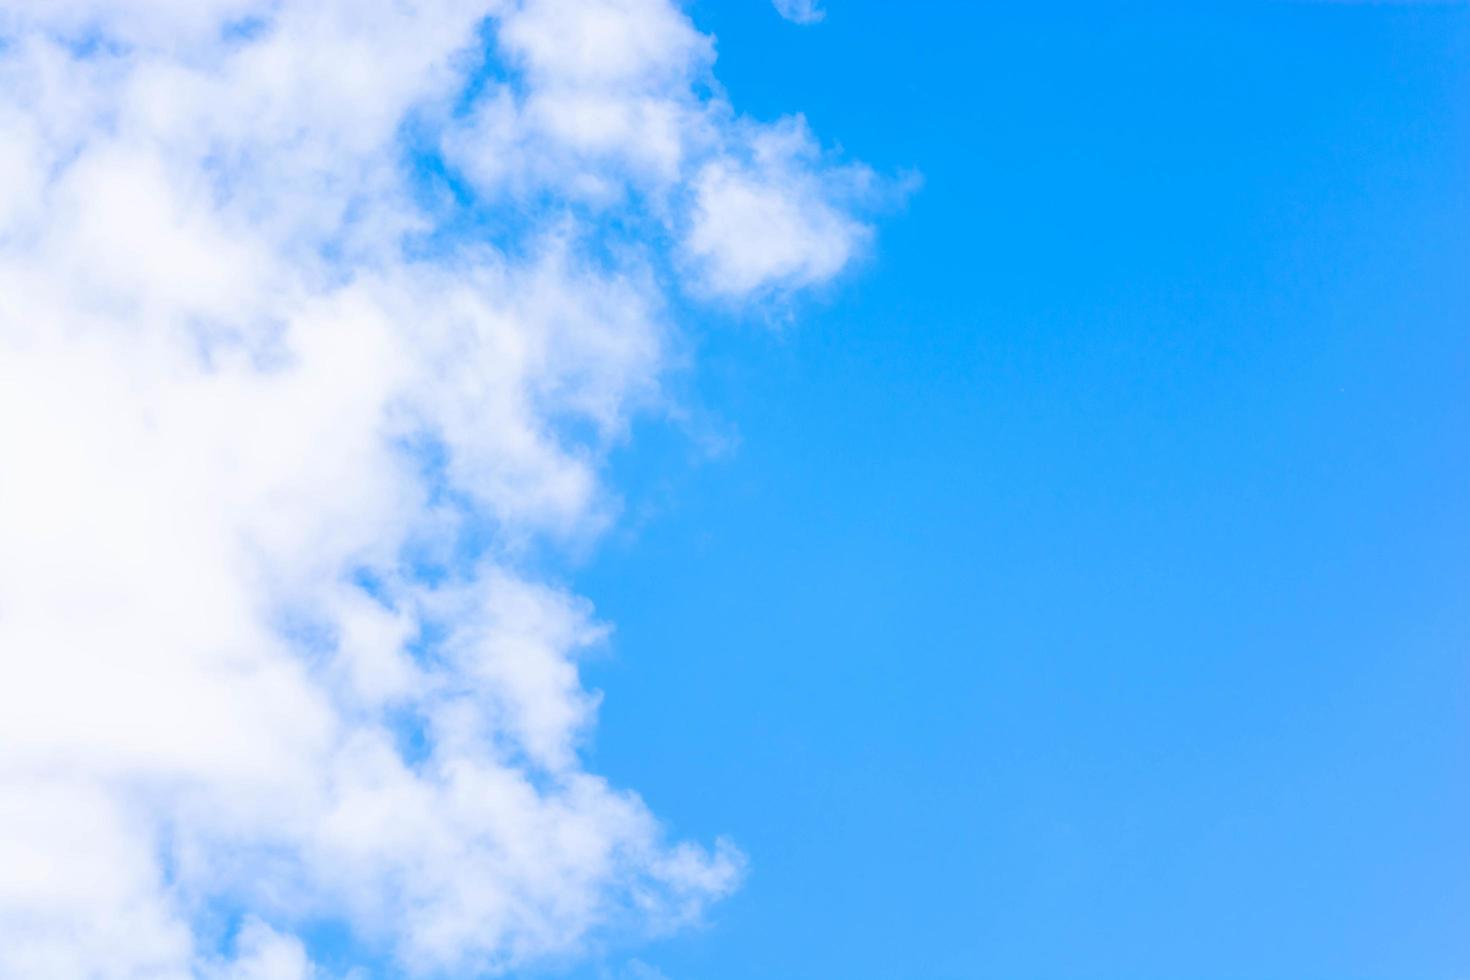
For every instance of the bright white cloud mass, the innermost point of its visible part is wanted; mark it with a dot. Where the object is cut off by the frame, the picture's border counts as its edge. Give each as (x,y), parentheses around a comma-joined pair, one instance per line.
(315,315)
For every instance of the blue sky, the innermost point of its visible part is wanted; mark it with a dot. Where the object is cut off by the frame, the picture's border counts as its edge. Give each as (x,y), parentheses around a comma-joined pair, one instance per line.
(1086,596)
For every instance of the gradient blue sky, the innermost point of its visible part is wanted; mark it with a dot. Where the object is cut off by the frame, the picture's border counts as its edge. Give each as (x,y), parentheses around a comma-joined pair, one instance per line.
(1087,595)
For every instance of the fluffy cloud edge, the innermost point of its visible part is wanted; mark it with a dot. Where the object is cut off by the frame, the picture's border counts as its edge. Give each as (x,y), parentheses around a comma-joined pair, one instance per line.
(314,319)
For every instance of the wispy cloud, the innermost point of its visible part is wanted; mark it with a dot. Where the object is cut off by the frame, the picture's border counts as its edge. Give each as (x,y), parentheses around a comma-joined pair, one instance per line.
(313,315)
(800,11)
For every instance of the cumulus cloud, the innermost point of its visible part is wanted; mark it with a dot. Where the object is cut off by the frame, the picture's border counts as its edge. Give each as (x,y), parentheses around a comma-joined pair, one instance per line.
(770,217)
(316,315)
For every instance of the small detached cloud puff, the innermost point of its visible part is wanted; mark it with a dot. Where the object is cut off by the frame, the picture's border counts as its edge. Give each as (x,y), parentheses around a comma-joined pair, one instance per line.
(800,11)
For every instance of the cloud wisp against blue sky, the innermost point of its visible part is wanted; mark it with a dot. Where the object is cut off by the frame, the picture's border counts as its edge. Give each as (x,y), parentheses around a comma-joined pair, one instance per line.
(317,319)
(800,11)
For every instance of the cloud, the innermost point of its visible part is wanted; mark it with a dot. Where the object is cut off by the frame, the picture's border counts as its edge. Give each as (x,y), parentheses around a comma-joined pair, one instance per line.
(772,218)
(800,11)
(639,970)
(316,318)
(261,953)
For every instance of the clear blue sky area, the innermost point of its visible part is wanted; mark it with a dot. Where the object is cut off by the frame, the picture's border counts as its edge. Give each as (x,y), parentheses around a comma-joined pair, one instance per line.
(1088,595)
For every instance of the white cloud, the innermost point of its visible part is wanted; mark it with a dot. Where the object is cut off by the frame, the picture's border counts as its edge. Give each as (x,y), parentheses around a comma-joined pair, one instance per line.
(773,219)
(261,953)
(800,11)
(279,416)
